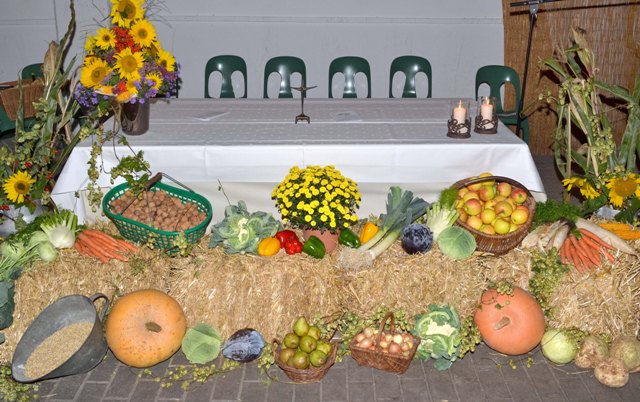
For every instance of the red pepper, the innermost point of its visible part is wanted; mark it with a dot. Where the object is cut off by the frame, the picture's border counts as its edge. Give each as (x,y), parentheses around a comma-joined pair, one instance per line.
(289,241)
(284,236)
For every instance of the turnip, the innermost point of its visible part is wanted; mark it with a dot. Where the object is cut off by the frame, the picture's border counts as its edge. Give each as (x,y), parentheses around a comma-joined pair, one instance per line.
(612,372)
(592,351)
(559,346)
(627,349)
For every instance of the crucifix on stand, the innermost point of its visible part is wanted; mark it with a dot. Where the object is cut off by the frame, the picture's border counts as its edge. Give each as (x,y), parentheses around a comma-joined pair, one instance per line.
(303,92)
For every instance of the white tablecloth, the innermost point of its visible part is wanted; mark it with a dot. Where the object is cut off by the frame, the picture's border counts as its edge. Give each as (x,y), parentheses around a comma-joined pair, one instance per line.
(249,145)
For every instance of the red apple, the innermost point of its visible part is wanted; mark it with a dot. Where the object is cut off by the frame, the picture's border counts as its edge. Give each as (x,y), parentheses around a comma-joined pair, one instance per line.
(501,226)
(503,209)
(469,195)
(472,207)
(504,189)
(487,215)
(488,229)
(487,193)
(518,195)
(474,186)
(519,216)
(474,222)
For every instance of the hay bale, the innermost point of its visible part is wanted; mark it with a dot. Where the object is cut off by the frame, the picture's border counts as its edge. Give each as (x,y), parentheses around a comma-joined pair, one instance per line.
(73,274)
(232,292)
(607,301)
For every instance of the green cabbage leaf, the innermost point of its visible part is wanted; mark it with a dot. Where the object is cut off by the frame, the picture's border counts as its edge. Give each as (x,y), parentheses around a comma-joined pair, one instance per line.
(201,344)
(456,243)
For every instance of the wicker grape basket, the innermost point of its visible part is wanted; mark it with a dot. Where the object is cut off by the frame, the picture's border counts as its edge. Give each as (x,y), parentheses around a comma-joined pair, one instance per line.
(499,244)
(309,375)
(380,360)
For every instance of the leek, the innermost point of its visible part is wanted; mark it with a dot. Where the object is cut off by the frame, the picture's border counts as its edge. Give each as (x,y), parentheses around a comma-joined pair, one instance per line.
(402,210)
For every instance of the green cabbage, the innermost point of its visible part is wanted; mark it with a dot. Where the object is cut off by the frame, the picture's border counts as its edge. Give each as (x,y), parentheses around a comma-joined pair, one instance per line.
(241,231)
(456,242)
(201,344)
(439,333)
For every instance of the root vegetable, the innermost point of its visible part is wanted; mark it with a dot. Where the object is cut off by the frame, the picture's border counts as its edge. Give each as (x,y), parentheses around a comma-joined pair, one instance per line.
(592,351)
(627,349)
(612,372)
(605,235)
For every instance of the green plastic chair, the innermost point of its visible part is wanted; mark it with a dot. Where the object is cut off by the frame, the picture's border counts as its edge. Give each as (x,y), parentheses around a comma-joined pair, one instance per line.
(350,66)
(496,76)
(6,124)
(226,65)
(32,71)
(409,66)
(285,66)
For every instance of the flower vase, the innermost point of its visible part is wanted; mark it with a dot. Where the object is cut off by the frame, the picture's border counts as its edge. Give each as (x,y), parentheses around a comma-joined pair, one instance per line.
(329,239)
(134,118)
(8,226)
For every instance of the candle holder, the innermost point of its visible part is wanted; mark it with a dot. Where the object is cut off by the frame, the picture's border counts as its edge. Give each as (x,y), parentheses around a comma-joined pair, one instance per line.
(486,121)
(459,125)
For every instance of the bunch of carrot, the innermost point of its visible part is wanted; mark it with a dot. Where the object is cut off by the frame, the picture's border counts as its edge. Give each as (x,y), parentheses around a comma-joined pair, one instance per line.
(584,250)
(96,243)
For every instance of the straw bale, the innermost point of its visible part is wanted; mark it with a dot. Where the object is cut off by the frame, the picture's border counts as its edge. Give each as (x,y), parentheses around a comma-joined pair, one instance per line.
(74,274)
(605,302)
(232,292)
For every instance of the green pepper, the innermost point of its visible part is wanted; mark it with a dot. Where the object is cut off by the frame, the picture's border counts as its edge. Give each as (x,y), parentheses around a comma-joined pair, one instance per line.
(348,238)
(314,247)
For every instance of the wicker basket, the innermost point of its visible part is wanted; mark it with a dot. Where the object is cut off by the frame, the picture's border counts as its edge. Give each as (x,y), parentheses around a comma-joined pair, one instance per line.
(140,233)
(379,359)
(10,97)
(305,376)
(499,244)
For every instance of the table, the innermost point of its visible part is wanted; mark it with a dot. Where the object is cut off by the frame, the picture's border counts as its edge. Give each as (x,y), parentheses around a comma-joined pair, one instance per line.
(249,145)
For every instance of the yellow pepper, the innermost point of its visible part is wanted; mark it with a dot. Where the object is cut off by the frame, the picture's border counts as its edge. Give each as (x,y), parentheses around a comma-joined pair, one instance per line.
(368,231)
(268,246)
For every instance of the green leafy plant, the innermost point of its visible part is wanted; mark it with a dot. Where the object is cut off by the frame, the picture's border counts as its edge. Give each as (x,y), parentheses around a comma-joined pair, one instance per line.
(201,344)
(585,150)
(439,331)
(241,231)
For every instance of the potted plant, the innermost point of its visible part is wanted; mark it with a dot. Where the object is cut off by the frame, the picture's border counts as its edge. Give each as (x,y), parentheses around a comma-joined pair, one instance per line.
(586,153)
(318,200)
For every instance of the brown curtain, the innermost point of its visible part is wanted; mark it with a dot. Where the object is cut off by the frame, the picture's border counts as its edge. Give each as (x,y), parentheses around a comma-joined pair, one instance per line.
(613,31)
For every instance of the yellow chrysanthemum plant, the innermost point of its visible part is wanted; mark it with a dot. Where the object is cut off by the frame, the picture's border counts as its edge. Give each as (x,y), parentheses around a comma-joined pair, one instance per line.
(599,169)
(317,197)
(125,61)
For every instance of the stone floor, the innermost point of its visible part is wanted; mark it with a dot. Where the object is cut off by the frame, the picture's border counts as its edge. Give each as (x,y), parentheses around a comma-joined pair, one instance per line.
(481,376)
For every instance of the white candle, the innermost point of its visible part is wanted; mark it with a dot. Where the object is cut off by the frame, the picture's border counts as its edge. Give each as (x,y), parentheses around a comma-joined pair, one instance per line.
(486,111)
(460,114)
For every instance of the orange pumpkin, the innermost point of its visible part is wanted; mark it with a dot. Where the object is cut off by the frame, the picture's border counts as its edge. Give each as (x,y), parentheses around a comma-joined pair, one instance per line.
(145,327)
(510,324)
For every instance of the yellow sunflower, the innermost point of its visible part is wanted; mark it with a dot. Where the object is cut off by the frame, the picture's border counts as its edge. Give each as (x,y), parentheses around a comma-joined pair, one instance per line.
(90,44)
(166,60)
(93,72)
(124,12)
(586,189)
(156,78)
(621,188)
(17,186)
(143,33)
(105,39)
(128,63)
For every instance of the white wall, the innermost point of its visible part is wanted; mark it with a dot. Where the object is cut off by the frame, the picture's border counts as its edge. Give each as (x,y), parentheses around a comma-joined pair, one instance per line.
(456,36)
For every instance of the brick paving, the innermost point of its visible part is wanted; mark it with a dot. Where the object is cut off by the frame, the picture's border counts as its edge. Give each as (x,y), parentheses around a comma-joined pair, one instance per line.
(480,376)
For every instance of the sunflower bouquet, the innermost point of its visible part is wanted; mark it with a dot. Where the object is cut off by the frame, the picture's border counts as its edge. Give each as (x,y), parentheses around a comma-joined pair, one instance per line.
(125,60)
(317,198)
(587,156)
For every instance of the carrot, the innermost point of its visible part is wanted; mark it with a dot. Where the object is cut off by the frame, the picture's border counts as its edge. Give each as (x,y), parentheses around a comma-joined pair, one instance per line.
(563,253)
(91,251)
(103,246)
(101,240)
(608,255)
(581,256)
(97,234)
(591,254)
(127,245)
(596,239)
(98,249)
(571,254)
